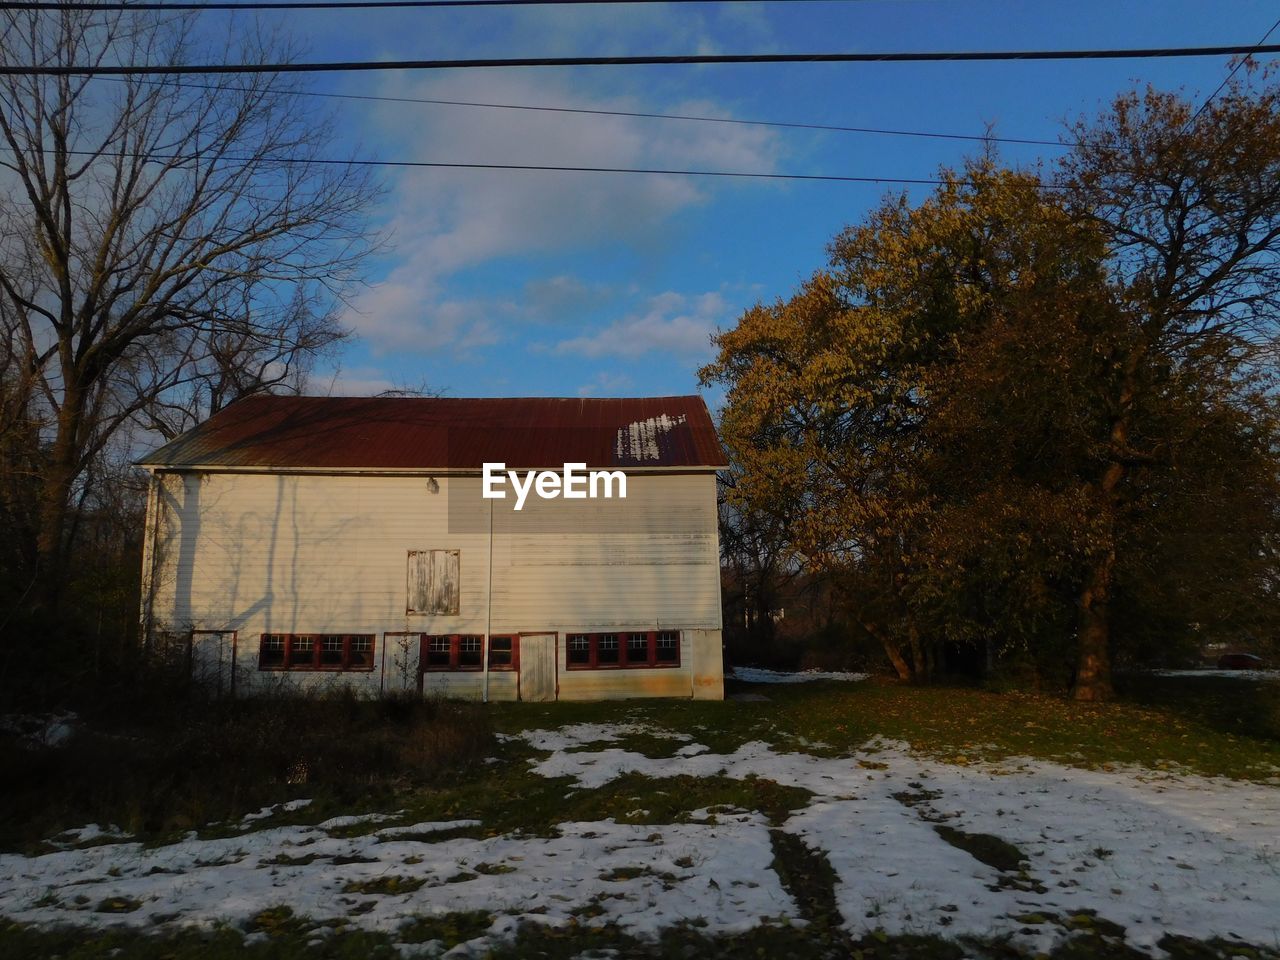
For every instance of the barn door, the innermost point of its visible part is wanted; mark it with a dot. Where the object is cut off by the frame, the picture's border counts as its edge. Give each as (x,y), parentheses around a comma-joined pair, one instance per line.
(213,660)
(537,666)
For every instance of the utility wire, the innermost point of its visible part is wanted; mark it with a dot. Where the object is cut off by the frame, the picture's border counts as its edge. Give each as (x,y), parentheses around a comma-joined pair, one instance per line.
(901,57)
(334,4)
(792,125)
(1234,70)
(432,164)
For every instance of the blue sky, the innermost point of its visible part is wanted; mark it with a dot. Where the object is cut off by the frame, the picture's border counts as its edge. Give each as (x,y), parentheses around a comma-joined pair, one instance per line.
(498,283)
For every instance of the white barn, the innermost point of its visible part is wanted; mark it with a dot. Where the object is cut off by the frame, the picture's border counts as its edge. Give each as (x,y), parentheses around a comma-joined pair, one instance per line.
(303,541)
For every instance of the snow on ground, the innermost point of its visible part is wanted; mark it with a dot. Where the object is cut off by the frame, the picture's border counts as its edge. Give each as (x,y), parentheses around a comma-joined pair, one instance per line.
(1230,674)
(1156,852)
(759,675)
(642,877)
(38,730)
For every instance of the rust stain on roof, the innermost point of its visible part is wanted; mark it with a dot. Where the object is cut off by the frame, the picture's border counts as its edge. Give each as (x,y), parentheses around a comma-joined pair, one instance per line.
(401,433)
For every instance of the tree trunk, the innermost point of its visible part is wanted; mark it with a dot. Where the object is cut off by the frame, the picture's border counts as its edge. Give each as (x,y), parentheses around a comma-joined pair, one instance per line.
(1093,675)
(919,652)
(55,498)
(1093,671)
(895,657)
(891,650)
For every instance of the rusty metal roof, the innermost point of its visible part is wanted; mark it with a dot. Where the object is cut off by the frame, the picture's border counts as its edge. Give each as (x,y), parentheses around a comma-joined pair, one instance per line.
(405,433)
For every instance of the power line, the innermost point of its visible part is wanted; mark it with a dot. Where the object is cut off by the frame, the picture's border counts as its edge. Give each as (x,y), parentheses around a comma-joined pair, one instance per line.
(1138,53)
(435,164)
(1234,70)
(333,4)
(793,125)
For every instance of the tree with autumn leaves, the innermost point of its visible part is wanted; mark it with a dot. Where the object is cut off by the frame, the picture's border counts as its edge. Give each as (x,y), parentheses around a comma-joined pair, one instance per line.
(1036,412)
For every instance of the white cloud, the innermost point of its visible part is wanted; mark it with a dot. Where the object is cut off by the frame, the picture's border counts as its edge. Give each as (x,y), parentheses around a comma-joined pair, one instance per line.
(446,221)
(358,382)
(671,323)
(606,383)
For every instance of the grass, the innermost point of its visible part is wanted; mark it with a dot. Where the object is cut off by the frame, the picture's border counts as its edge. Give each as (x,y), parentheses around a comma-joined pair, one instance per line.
(424,757)
(1225,727)
(186,764)
(424,760)
(285,937)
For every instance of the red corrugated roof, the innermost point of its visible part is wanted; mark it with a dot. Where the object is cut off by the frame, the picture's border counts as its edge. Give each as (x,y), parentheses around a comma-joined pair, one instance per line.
(448,433)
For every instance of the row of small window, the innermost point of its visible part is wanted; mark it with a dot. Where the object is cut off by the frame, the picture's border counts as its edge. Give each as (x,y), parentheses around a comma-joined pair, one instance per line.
(316,651)
(583,651)
(458,652)
(600,651)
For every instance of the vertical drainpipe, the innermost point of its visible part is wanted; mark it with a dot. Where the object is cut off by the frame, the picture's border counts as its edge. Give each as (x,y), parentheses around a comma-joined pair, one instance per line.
(149,558)
(488,615)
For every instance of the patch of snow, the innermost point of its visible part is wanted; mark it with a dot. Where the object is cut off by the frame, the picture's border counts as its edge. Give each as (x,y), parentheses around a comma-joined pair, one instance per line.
(692,749)
(38,730)
(1158,852)
(1155,851)
(641,441)
(87,834)
(436,826)
(229,880)
(289,806)
(580,734)
(759,675)
(351,820)
(1232,674)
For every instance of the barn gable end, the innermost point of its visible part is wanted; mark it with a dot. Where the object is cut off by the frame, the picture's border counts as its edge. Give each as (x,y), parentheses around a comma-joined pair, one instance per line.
(295,545)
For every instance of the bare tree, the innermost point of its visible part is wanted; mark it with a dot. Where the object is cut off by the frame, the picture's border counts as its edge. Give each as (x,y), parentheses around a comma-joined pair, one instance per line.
(165,246)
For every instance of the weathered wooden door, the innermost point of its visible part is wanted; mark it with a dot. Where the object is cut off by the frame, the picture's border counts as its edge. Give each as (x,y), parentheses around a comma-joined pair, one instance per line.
(537,666)
(213,660)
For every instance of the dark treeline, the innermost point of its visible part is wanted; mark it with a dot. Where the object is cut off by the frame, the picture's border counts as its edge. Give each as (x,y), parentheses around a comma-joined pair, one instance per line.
(1033,415)
(156,263)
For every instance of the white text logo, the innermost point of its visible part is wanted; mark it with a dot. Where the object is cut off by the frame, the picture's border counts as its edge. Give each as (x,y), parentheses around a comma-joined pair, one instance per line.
(574,483)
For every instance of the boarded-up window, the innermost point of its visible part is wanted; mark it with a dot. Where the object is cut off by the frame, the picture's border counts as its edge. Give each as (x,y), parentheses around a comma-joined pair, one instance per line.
(433,582)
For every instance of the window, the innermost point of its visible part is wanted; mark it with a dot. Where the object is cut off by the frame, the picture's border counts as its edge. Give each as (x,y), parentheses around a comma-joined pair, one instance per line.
(439,653)
(469,653)
(432,584)
(637,647)
(667,647)
(271,654)
(603,651)
(312,651)
(502,653)
(331,652)
(579,650)
(452,652)
(360,653)
(607,653)
(302,653)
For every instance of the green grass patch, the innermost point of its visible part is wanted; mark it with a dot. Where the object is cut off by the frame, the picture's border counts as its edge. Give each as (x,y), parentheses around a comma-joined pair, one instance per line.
(1224,727)
(985,848)
(808,876)
(655,746)
(389,885)
(451,929)
(134,767)
(293,939)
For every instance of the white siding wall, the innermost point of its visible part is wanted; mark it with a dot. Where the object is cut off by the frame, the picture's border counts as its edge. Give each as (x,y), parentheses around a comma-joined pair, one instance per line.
(263,553)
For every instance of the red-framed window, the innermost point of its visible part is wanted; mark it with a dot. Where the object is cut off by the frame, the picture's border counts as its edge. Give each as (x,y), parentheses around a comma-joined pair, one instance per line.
(462,652)
(454,651)
(504,652)
(634,649)
(316,651)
